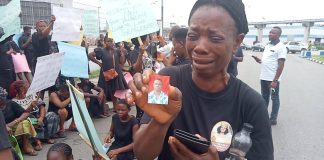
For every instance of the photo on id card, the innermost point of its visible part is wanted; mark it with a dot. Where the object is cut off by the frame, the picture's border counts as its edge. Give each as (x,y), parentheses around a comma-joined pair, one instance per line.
(158,89)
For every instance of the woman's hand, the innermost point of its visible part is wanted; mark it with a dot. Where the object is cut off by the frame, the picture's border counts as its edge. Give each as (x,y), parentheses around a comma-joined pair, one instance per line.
(108,138)
(163,114)
(180,151)
(113,153)
(8,129)
(40,121)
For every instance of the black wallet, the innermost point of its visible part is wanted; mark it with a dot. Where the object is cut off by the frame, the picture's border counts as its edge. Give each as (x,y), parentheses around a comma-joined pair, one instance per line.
(191,141)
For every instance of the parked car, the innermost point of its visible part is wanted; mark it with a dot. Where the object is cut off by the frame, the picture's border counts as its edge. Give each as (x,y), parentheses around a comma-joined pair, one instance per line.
(246,46)
(294,47)
(258,47)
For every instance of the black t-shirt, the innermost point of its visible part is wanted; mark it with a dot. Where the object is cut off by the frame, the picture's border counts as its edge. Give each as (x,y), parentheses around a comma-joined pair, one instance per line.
(107,59)
(43,46)
(132,56)
(232,66)
(22,40)
(6,62)
(181,61)
(4,141)
(12,111)
(86,87)
(201,110)
(123,131)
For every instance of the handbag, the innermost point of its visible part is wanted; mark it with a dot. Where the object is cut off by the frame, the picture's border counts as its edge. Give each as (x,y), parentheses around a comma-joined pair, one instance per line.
(111,73)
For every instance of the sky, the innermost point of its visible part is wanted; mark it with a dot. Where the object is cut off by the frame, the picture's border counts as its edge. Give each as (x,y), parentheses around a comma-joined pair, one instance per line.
(177,11)
(256,10)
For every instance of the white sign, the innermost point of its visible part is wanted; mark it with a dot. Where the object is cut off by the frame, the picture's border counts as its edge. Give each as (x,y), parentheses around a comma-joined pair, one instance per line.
(67,25)
(90,23)
(10,20)
(47,70)
(129,18)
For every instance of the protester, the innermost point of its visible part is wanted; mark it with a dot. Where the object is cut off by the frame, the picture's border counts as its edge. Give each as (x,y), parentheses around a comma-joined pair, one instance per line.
(122,129)
(272,64)
(60,151)
(109,60)
(166,49)
(135,57)
(19,60)
(101,41)
(43,45)
(135,61)
(46,125)
(7,71)
(95,102)
(178,55)
(60,103)
(232,66)
(17,123)
(25,43)
(209,94)
(41,39)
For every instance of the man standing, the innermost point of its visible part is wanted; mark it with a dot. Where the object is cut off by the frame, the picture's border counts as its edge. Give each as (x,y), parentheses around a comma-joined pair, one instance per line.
(232,66)
(272,64)
(25,43)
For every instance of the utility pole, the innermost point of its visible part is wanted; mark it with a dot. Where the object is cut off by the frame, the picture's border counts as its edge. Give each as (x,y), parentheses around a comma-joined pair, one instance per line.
(162,17)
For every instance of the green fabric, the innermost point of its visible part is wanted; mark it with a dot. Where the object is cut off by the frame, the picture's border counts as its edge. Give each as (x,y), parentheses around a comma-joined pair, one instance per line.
(15,146)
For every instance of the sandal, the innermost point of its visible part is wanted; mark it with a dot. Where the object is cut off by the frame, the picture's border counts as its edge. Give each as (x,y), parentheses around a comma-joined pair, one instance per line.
(50,141)
(31,153)
(38,147)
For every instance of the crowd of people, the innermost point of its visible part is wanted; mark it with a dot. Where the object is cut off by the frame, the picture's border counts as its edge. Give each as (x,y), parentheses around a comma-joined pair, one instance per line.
(200,60)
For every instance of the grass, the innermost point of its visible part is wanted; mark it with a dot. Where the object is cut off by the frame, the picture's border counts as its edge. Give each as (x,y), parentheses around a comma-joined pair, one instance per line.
(317,57)
(94,74)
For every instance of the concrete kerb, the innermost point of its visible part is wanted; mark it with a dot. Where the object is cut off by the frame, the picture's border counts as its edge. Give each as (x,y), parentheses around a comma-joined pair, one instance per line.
(314,60)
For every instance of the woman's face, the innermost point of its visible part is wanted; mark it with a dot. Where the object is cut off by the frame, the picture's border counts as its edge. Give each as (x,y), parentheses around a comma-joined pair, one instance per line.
(23,89)
(122,110)
(211,40)
(157,85)
(41,26)
(109,42)
(178,47)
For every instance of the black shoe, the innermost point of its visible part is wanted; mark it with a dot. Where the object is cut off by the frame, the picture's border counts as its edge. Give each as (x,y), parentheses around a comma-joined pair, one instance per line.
(273,122)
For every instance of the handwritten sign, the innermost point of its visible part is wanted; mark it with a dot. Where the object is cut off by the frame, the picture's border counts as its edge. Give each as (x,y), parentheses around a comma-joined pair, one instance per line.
(75,62)
(129,18)
(67,24)
(82,123)
(90,22)
(10,21)
(47,70)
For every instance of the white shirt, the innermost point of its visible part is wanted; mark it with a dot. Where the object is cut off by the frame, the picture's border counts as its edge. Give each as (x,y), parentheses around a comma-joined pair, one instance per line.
(166,49)
(269,64)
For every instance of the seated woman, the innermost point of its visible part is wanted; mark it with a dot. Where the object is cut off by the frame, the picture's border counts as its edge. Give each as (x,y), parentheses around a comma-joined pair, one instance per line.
(123,128)
(59,103)
(45,124)
(95,102)
(17,123)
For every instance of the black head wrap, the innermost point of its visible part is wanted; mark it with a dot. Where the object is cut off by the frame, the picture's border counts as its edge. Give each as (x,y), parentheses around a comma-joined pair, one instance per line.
(235,8)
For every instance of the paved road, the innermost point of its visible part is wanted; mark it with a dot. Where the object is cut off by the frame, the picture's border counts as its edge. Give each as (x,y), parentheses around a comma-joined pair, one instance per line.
(299,134)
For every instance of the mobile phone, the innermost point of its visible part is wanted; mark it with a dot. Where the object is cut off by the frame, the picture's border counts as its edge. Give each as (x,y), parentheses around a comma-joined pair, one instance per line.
(192,142)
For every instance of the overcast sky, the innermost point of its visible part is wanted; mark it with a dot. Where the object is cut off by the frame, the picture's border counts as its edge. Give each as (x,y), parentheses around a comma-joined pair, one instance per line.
(257,10)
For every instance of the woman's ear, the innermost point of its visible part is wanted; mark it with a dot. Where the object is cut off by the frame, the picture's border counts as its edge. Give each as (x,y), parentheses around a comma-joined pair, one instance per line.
(238,40)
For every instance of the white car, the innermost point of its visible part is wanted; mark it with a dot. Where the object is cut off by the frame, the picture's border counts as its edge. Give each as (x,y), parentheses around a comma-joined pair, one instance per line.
(293,46)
